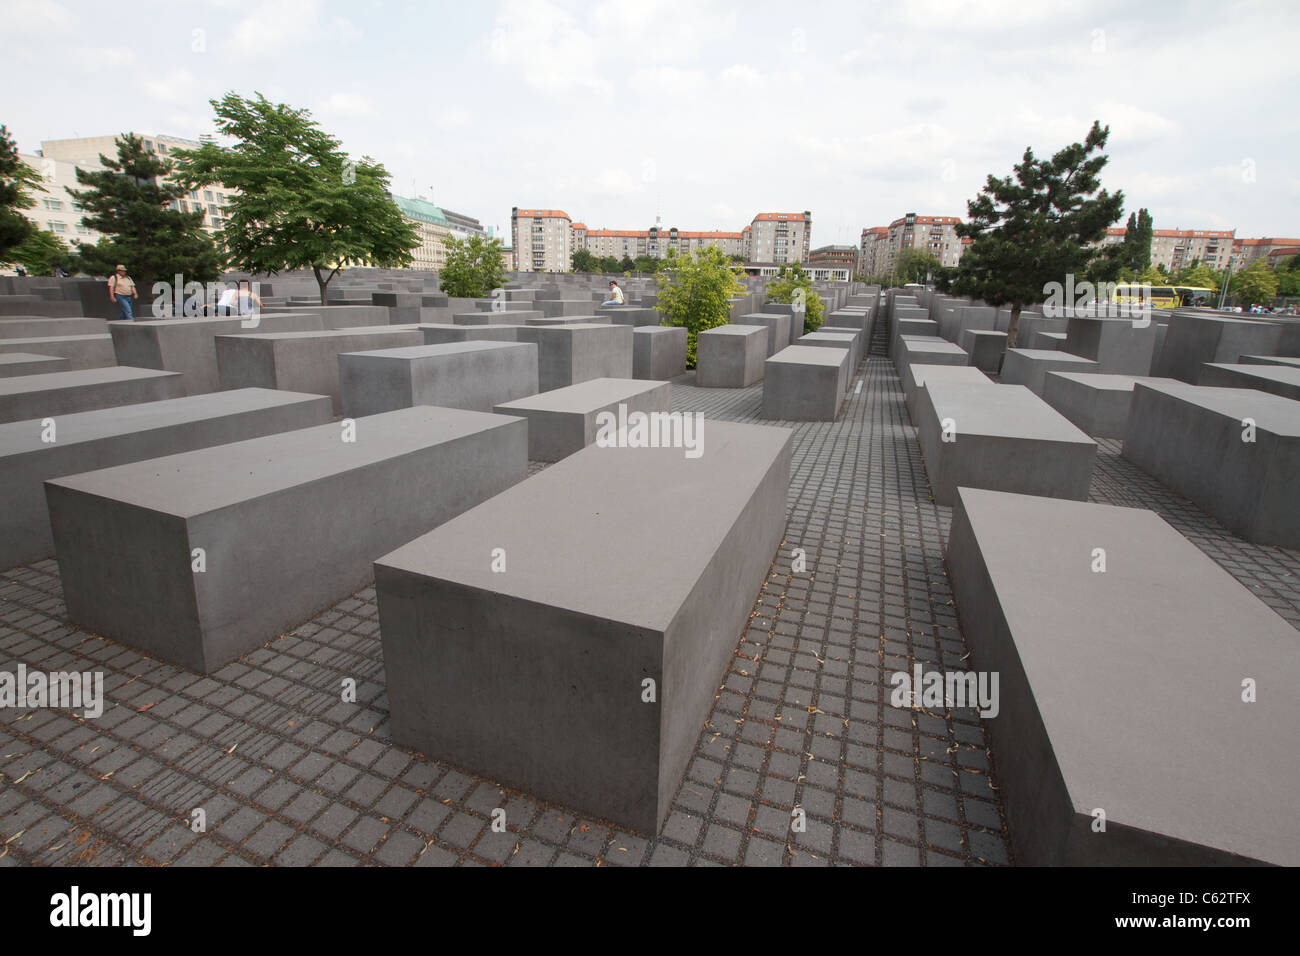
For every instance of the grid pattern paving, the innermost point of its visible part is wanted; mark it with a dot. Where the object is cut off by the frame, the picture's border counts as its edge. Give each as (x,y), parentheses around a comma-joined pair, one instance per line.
(285,772)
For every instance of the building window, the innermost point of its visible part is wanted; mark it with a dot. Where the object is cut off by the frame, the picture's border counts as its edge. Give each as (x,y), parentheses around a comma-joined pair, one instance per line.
(53,204)
(57,227)
(207,194)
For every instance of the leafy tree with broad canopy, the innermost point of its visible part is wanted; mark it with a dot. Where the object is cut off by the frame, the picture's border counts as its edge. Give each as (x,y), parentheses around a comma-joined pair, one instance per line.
(785,287)
(473,268)
(1039,227)
(129,202)
(301,202)
(695,293)
(583,261)
(1254,285)
(914,265)
(41,252)
(17,183)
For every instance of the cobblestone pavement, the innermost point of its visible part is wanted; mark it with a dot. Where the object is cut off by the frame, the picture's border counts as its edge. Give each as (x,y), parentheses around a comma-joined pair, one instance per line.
(286,773)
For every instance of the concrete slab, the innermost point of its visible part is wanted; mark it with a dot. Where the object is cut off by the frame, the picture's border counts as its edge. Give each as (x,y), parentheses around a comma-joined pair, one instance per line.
(569,354)
(985,348)
(1194,340)
(535,677)
(1028,366)
(914,377)
(1118,346)
(635,316)
(658,352)
(777,325)
(14,364)
(81,351)
(564,420)
(805,384)
(441,334)
(918,351)
(288,524)
(1122,691)
(823,338)
(40,328)
(471,375)
(1001,437)
(1098,404)
(730,356)
(115,436)
(1233,451)
(1275,379)
(511,318)
(61,393)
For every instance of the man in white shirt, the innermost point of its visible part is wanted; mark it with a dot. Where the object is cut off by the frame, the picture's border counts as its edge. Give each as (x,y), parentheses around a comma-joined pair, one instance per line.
(615,295)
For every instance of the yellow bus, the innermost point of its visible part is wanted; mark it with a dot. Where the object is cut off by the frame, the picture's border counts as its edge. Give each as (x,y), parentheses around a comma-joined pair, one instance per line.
(1162,296)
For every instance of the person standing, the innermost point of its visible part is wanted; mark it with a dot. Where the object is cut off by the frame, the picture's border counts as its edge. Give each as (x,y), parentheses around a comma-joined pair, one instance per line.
(122,289)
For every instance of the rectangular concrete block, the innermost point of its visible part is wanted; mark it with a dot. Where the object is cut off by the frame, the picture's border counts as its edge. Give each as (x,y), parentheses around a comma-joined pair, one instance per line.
(564,420)
(302,361)
(61,393)
(823,338)
(1098,404)
(1001,437)
(914,377)
(569,354)
(1117,345)
(81,351)
(535,677)
(42,328)
(571,320)
(506,317)
(289,524)
(1193,340)
(777,325)
(1028,366)
(14,364)
(805,384)
(1123,690)
(441,334)
(1233,451)
(471,375)
(1280,380)
(115,436)
(985,348)
(552,308)
(915,351)
(630,315)
(189,346)
(730,356)
(658,352)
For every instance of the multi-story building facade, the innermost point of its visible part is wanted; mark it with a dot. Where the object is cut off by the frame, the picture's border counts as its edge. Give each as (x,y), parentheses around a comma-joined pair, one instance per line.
(56,211)
(832,262)
(542,240)
(1246,251)
(433,228)
(937,235)
(778,238)
(1176,249)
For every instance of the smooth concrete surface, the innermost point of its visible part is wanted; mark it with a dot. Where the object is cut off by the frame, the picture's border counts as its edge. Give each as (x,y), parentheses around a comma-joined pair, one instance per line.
(730,356)
(1047,341)
(554,320)
(1028,366)
(1098,404)
(441,334)
(777,325)
(289,524)
(1118,346)
(804,383)
(61,393)
(914,377)
(89,440)
(1280,380)
(470,375)
(1122,691)
(508,317)
(81,351)
(189,345)
(1197,440)
(535,677)
(41,328)
(1194,340)
(564,420)
(630,315)
(1289,360)
(16,364)
(985,347)
(658,352)
(569,354)
(1002,437)
(826,339)
(926,351)
(302,361)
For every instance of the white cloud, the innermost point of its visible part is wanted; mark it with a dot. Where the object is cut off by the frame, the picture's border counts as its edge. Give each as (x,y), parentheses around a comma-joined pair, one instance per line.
(277,27)
(347,106)
(36,16)
(176,86)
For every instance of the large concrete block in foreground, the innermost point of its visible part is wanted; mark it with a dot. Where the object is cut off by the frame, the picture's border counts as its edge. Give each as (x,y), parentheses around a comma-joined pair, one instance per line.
(302,361)
(15,364)
(777,325)
(1122,691)
(659,352)
(81,351)
(730,356)
(115,436)
(289,524)
(914,377)
(569,354)
(189,345)
(1098,404)
(535,677)
(1002,437)
(1028,366)
(1194,340)
(1275,379)
(61,393)
(805,384)
(472,375)
(1233,451)
(564,420)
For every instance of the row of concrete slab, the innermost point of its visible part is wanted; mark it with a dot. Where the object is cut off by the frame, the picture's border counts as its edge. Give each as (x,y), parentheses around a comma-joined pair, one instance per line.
(1129,728)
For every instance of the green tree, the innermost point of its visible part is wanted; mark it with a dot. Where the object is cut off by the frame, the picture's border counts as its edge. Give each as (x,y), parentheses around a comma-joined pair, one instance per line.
(608,264)
(695,293)
(1254,285)
(914,265)
(41,252)
(1039,227)
(627,265)
(130,202)
(791,284)
(1199,275)
(302,203)
(473,267)
(583,261)
(646,263)
(17,183)
(1136,247)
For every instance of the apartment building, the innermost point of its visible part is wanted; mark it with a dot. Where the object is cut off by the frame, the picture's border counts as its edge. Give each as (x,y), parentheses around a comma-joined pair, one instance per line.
(56,211)
(1246,251)
(1176,249)
(777,237)
(937,235)
(837,263)
(433,228)
(542,240)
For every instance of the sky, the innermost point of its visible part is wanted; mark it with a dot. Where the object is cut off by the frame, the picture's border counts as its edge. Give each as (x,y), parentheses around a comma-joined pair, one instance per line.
(703,113)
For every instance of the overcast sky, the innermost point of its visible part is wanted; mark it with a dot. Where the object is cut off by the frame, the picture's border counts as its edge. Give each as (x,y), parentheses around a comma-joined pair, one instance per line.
(706,112)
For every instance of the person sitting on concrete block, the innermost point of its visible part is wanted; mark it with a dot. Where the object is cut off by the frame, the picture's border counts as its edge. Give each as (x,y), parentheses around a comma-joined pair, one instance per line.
(615,295)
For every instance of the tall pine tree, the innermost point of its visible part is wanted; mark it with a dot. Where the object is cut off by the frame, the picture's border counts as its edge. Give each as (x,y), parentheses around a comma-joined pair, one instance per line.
(17,182)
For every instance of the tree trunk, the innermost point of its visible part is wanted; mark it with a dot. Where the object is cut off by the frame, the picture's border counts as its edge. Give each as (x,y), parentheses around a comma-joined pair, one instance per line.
(1013,329)
(323,283)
